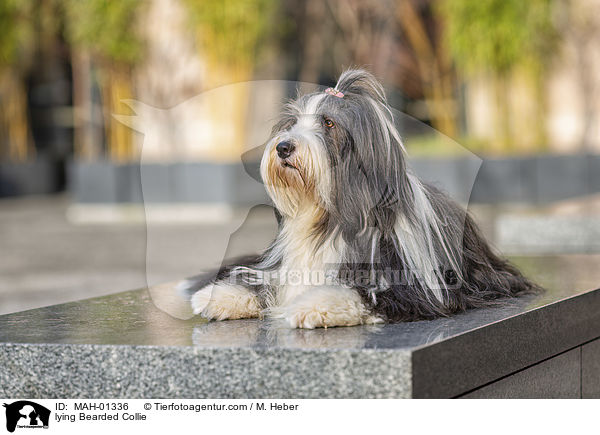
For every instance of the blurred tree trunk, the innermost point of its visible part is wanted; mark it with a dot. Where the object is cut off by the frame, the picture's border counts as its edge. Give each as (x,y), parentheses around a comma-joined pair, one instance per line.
(501,85)
(235,109)
(87,144)
(116,86)
(312,52)
(587,84)
(582,30)
(540,97)
(366,35)
(230,36)
(14,121)
(434,66)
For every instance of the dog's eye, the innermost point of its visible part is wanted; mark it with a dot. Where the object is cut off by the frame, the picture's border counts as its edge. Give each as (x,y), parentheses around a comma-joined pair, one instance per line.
(329,123)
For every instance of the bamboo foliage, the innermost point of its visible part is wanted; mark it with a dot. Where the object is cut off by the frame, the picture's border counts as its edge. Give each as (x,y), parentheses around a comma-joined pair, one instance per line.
(116,87)
(435,67)
(14,122)
(230,34)
(106,32)
(365,32)
(501,38)
(16,41)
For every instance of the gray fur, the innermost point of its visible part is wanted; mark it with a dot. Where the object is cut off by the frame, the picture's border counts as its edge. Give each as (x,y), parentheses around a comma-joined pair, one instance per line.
(421,254)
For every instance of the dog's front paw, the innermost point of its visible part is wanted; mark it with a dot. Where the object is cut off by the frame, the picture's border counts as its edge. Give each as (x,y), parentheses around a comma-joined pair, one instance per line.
(307,319)
(201,299)
(318,318)
(327,307)
(221,301)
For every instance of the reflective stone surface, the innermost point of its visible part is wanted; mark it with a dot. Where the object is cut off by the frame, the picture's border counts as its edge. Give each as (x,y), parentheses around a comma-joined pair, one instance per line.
(441,358)
(156,317)
(132,318)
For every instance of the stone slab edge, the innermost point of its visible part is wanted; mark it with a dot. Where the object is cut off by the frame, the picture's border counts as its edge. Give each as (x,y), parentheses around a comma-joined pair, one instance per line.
(116,371)
(463,363)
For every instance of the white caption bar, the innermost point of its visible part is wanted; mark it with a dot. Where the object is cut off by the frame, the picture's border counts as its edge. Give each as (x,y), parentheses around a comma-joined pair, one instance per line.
(24,416)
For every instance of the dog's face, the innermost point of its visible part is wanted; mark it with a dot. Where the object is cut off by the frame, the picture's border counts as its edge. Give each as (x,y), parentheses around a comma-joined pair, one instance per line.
(297,163)
(338,151)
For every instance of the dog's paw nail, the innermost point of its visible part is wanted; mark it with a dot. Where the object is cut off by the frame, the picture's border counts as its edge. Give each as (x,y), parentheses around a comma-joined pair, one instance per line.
(200,301)
(306,320)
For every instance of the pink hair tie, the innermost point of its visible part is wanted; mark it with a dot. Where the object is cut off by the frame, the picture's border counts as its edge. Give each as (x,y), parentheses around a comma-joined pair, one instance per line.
(334,92)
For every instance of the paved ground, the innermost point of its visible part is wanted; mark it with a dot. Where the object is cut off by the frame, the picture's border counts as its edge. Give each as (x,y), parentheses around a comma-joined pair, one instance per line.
(45,259)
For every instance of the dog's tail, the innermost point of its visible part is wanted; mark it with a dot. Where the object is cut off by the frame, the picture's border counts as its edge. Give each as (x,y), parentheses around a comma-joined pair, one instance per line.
(489,275)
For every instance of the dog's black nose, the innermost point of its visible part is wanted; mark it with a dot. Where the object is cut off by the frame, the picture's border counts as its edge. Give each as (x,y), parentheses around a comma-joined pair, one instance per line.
(284,149)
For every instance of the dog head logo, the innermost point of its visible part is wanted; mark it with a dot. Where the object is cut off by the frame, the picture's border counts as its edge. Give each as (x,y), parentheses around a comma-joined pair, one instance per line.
(26,414)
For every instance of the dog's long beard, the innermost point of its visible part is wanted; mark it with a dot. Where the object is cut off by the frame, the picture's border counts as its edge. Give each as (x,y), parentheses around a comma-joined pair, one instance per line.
(290,183)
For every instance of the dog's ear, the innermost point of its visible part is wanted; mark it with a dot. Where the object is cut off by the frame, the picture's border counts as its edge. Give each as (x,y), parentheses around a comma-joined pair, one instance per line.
(366,193)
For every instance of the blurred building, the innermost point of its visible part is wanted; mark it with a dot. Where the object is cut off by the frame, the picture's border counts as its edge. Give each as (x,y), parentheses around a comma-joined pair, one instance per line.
(571,90)
(150,115)
(183,81)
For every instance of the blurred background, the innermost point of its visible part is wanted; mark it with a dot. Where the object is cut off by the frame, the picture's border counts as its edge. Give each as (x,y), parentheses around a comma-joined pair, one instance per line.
(122,125)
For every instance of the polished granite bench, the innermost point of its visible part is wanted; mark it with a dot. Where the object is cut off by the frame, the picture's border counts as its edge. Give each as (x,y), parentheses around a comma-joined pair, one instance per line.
(125,346)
